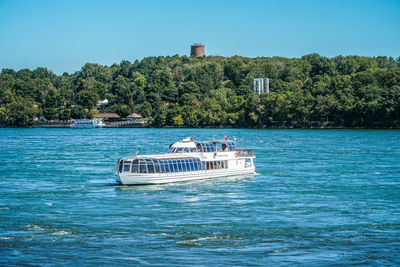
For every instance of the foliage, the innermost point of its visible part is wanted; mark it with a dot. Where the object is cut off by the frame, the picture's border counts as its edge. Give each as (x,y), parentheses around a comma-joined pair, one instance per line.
(16,110)
(311,91)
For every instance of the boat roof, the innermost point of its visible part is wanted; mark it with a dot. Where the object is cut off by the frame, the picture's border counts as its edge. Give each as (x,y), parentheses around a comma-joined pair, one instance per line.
(183,144)
(162,156)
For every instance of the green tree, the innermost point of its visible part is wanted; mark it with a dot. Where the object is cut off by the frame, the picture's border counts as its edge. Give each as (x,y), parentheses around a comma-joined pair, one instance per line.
(18,111)
(87,99)
(178,121)
(77,112)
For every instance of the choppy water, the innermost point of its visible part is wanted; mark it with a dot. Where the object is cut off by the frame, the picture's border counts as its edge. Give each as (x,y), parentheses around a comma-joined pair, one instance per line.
(322,197)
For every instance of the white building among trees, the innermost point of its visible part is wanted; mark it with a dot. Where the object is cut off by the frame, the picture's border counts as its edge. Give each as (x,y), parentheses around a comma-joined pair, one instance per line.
(259,86)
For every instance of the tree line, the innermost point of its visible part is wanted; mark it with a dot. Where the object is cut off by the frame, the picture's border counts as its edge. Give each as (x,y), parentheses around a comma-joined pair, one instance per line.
(311,91)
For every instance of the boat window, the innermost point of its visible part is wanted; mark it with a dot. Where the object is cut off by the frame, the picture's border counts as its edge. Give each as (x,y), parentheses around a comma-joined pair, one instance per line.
(156,166)
(142,166)
(171,166)
(150,166)
(166,165)
(188,165)
(218,147)
(191,163)
(162,166)
(120,165)
(247,163)
(127,166)
(184,167)
(196,165)
(177,166)
(180,165)
(135,166)
(183,161)
(204,147)
(208,148)
(212,148)
(202,166)
(231,145)
(198,147)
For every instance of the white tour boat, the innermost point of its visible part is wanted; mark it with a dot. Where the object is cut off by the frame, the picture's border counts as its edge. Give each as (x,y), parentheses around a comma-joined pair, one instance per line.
(187,160)
(88,124)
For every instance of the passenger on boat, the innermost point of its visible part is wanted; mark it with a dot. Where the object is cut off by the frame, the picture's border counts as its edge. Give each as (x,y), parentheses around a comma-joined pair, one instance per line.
(224,148)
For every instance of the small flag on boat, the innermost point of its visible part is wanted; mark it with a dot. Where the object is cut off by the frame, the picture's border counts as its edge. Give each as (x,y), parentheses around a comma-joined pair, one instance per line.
(226,138)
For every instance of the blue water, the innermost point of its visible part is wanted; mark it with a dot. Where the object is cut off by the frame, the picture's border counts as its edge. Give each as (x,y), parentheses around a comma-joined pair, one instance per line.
(322,197)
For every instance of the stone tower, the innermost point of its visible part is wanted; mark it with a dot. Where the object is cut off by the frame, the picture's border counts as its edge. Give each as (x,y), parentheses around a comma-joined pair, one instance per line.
(197,50)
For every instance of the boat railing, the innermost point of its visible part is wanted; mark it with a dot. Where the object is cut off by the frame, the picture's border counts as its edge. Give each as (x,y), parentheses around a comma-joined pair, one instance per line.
(246,152)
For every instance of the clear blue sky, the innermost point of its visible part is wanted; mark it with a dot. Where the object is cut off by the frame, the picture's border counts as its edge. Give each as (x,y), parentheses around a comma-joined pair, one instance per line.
(64,35)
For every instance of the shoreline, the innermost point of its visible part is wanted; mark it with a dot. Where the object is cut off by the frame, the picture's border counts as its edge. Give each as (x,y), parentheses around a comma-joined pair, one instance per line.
(60,126)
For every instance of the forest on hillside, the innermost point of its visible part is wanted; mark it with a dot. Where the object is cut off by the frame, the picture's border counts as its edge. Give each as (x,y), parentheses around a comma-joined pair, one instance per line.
(311,91)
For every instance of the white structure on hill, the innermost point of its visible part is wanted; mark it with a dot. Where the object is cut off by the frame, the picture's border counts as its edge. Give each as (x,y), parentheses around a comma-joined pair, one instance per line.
(260,87)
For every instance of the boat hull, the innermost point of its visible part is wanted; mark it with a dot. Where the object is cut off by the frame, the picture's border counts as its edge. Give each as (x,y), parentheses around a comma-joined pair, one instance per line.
(163,178)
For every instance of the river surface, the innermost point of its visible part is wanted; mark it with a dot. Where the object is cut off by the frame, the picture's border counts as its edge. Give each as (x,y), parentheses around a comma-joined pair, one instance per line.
(322,197)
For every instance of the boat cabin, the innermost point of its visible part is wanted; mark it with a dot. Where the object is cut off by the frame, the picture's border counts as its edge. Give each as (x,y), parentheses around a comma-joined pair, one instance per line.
(150,165)
(190,146)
